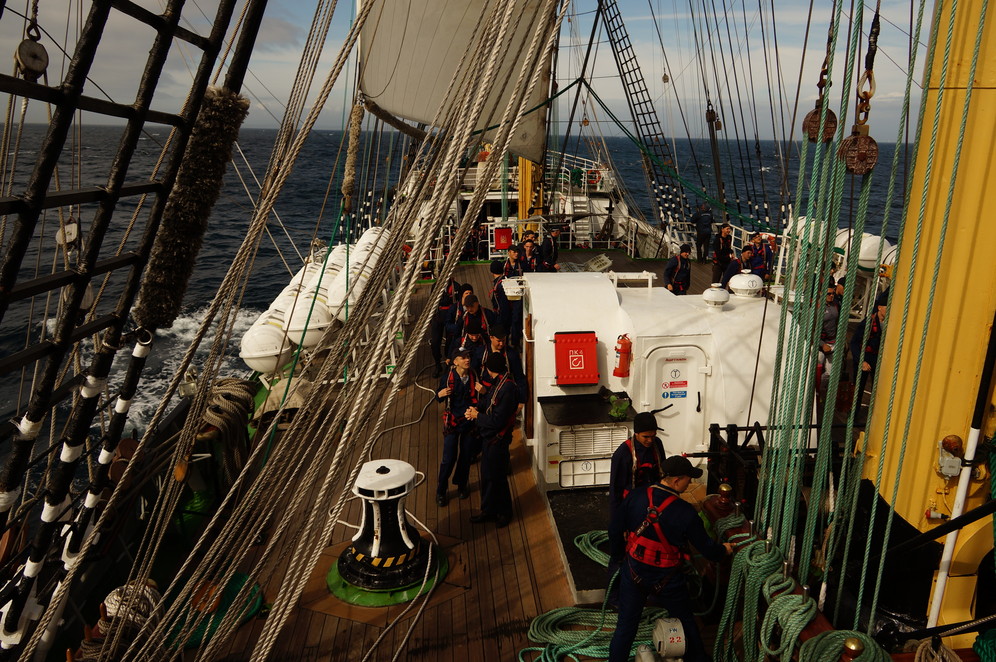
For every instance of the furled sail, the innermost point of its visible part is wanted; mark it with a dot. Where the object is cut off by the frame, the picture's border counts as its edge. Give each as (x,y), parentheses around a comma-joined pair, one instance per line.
(411,50)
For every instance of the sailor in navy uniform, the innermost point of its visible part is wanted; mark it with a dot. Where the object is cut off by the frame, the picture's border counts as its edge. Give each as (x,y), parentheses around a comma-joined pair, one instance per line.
(470,310)
(638,460)
(550,251)
(647,536)
(499,302)
(495,418)
(496,344)
(447,302)
(458,389)
(678,271)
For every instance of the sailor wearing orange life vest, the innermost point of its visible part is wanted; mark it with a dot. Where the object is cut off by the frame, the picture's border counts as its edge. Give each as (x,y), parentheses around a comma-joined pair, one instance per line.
(647,536)
(638,460)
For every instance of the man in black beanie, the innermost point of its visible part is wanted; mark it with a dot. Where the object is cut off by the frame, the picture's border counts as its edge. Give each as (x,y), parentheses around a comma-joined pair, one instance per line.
(495,418)
(638,460)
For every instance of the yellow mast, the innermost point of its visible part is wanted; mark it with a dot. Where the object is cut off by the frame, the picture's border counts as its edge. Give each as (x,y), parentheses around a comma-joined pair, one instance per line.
(963,304)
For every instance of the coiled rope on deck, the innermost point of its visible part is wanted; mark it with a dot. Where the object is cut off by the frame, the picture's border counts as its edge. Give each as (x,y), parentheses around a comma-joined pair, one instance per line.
(828,646)
(590,545)
(572,631)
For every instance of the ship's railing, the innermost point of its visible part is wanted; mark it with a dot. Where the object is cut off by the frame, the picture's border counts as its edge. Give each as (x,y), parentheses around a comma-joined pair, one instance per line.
(590,178)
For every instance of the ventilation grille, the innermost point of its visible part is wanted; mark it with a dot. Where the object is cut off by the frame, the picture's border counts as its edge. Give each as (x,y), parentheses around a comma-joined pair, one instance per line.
(592,442)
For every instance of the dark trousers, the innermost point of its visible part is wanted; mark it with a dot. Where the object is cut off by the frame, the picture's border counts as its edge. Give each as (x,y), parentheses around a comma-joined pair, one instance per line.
(437,328)
(496,498)
(457,451)
(718,270)
(515,324)
(635,590)
(702,245)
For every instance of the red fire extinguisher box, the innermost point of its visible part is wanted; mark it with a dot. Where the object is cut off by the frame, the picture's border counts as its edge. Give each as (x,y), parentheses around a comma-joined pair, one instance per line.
(576,358)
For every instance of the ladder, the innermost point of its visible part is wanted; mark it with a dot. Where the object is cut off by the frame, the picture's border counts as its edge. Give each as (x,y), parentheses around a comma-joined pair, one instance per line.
(671,203)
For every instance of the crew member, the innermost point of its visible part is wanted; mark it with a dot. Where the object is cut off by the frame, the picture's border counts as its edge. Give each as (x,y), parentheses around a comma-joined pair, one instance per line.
(678,271)
(447,302)
(760,261)
(512,267)
(496,344)
(647,536)
(722,252)
(499,301)
(550,251)
(458,389)
(638,460)
(737,266)
(453,327)
(495,418)
(702,219)
(470,310)
(530,258)
(866,358)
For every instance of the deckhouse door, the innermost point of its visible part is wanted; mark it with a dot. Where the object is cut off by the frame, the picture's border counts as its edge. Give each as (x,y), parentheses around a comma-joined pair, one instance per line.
(677,376)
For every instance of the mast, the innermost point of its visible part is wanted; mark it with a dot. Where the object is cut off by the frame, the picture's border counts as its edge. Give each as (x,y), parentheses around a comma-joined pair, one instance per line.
(712,121)
(958,313)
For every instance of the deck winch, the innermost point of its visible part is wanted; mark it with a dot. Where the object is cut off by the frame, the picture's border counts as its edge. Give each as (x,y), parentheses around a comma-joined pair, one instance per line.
(387,560)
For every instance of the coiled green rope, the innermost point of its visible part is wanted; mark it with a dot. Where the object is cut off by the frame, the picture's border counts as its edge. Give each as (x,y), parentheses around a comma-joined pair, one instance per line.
(590,545)
(828,646)
(750,567)
(985,646)
(571,631)
(790,612)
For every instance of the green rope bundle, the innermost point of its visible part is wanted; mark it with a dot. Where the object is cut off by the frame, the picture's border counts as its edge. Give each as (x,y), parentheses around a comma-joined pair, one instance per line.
(790,612)
(828,646)
(728,523)
(590,545)
(572,631)
(750,567)
(985,646)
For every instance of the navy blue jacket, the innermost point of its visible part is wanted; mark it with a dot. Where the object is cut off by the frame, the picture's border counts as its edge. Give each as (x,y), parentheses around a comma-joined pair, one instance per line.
(621,470)
(549,253)
(457,321)
(496,411)
(513,362)
(870,353)
(679,522)
(500,303)
(460,398)
(678,273)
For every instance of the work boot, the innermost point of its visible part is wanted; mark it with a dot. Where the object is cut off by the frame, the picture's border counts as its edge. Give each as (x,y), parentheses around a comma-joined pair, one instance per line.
(441,500)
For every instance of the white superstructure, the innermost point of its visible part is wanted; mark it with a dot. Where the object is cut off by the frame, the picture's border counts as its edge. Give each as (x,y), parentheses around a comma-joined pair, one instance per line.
(711,364)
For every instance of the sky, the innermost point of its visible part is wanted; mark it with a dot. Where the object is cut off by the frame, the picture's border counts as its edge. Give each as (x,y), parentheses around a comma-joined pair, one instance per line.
(663,34)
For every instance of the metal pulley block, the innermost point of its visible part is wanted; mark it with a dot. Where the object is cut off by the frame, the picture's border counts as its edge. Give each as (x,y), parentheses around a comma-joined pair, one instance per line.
(811,125)
(858,151)
(31,57)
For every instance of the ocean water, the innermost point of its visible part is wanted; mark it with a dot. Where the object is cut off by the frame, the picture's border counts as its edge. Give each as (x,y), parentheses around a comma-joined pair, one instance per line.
(307,208)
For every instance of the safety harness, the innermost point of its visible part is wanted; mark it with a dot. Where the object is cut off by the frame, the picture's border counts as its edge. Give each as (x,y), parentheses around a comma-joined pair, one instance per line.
(659,553)
(450,420)
(640,467)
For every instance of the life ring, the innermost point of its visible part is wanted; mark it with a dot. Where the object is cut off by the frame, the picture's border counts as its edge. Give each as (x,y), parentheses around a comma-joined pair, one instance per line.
(594,177)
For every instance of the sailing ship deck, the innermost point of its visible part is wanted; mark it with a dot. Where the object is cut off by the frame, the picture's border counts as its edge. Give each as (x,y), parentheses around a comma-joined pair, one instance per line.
(499,579)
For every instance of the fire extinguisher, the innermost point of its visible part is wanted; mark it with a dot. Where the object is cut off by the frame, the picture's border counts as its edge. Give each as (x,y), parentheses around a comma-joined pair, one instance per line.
(624,355)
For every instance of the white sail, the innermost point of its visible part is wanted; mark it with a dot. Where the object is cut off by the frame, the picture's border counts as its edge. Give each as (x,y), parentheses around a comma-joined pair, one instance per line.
(410,52)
